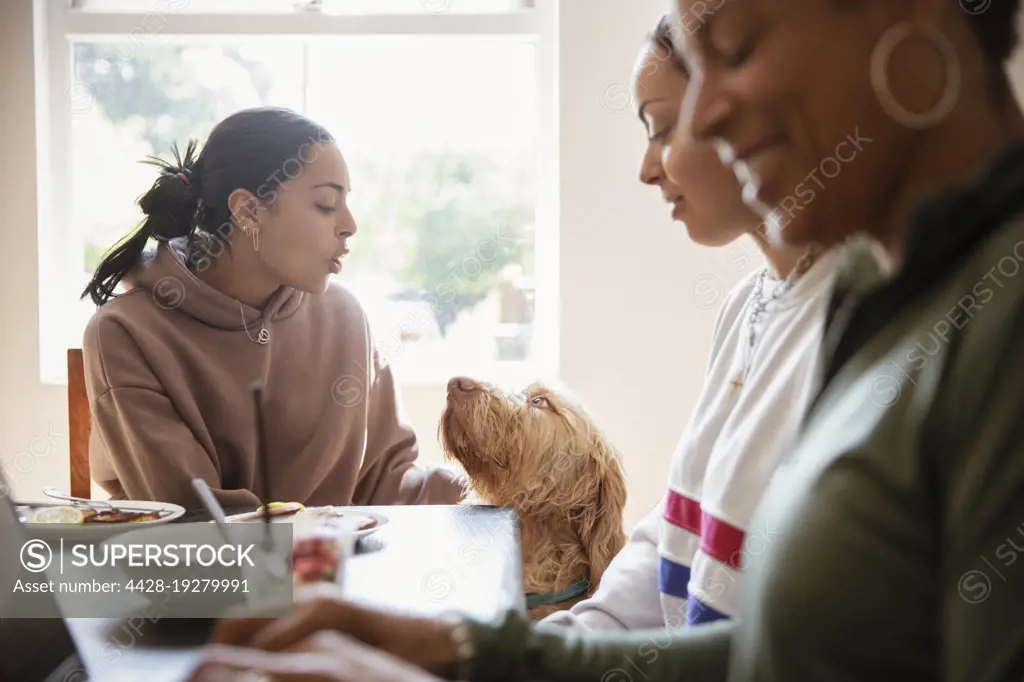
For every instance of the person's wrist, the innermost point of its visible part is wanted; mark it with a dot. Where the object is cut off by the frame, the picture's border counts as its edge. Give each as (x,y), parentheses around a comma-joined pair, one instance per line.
(460,649)
(443,647)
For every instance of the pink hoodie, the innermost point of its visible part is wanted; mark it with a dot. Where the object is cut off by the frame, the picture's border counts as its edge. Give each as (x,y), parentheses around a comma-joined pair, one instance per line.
(168,367)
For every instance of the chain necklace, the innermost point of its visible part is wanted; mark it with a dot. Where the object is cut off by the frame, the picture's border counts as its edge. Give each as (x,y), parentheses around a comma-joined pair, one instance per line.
(759,305)
(264,335)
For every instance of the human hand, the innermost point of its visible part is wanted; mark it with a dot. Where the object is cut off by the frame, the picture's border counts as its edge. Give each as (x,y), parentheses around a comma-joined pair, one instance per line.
(326,656)
(423,642)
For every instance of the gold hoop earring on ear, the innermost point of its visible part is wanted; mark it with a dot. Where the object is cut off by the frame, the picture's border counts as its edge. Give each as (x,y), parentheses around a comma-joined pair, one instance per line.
(880,57)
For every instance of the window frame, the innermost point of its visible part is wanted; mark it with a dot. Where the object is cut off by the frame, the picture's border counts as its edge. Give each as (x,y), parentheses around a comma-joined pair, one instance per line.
(59,23)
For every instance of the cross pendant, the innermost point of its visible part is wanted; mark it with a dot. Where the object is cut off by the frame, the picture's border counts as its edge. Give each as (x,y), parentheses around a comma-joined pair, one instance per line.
(737,383)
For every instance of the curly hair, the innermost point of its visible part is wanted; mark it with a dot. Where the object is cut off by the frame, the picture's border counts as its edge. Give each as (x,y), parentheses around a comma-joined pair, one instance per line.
(994,22)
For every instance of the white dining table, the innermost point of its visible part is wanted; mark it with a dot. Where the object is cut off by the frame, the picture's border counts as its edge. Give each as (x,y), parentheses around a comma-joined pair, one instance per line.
(426,560)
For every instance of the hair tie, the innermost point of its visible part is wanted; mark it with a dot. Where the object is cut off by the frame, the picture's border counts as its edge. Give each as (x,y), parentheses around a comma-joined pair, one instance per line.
(184,178)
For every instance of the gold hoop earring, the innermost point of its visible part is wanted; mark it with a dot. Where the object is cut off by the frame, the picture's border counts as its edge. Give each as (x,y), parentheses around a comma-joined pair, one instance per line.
(880,57)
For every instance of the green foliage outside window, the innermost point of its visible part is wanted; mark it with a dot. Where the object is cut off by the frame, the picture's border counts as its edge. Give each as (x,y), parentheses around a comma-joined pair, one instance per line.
(443,224)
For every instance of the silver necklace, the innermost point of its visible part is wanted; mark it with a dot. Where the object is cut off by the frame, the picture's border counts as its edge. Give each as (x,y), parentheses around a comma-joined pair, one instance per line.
(759,305)
(263,337)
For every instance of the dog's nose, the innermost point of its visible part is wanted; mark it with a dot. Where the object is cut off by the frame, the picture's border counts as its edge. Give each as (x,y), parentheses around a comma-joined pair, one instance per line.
(462,385)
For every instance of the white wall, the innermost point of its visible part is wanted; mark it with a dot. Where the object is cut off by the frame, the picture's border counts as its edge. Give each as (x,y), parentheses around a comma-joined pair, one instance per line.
(633,346)
(633,338)
(30,410)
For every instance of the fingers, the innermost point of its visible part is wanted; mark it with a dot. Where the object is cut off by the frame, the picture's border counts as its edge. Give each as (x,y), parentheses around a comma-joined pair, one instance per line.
(241,631)
(231,664)
(357,662)
(213,672)
(327,641)
(325,657)
(237,631)
(290,630)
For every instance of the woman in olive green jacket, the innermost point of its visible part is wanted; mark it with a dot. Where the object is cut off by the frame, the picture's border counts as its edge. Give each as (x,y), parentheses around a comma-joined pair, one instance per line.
(888,126)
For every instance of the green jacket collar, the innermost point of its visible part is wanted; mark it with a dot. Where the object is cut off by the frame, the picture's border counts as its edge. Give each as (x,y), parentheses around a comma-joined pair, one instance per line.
(946,228)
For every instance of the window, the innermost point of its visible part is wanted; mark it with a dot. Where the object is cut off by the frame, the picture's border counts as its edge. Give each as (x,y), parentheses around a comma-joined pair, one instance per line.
(441,123)
(328,7)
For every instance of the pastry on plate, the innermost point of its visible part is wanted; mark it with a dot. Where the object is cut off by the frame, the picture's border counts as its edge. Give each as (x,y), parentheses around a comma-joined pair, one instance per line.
(277,510)
(288,511)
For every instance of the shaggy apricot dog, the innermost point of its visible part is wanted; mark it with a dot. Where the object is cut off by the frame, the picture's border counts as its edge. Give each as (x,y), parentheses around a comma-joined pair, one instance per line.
(538,453)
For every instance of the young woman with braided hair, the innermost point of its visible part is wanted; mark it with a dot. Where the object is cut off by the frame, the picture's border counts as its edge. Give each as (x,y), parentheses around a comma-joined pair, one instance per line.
(238,289)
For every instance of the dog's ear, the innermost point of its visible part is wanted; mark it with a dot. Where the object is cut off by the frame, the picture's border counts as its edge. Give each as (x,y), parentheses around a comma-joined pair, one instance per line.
(600,527)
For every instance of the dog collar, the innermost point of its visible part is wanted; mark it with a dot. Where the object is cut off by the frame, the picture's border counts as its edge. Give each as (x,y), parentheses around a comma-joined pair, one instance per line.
(577,588)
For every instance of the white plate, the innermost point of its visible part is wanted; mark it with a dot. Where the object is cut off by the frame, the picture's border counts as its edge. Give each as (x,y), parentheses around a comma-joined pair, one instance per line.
(92,532)
(339,512)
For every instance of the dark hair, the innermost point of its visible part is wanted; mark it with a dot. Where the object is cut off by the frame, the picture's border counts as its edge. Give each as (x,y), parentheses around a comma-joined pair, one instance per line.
(250,150)
(996,28)
(661,36)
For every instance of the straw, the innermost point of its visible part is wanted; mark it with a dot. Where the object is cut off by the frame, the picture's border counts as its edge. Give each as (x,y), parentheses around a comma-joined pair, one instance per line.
(261,457)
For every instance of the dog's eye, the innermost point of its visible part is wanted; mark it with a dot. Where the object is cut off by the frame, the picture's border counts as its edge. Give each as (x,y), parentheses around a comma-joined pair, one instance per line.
(540,401)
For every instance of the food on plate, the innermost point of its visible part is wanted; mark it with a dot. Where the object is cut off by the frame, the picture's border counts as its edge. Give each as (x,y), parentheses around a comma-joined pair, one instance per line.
(316,558)
(277,510)
(289,511)
(78,515)
(69,515)
(365,522)
(282,508)
(120,516)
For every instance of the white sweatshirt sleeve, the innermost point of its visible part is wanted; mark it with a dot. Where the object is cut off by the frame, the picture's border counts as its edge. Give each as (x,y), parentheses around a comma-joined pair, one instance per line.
(628,597)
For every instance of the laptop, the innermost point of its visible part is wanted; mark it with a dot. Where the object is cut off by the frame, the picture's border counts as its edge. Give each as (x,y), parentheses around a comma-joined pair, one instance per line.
(62,649)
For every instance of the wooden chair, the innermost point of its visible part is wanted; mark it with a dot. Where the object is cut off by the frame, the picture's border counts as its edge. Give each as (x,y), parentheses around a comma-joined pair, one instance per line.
(79,425)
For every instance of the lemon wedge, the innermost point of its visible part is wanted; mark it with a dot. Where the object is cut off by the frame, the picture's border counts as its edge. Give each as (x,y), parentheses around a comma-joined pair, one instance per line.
(281,508)
(68,515)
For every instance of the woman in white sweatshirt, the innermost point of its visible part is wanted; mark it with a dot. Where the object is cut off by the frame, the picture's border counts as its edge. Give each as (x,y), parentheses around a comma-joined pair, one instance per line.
(683,562)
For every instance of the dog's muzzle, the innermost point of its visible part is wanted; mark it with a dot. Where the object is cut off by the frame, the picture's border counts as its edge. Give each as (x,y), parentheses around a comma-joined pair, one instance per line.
(460,387)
